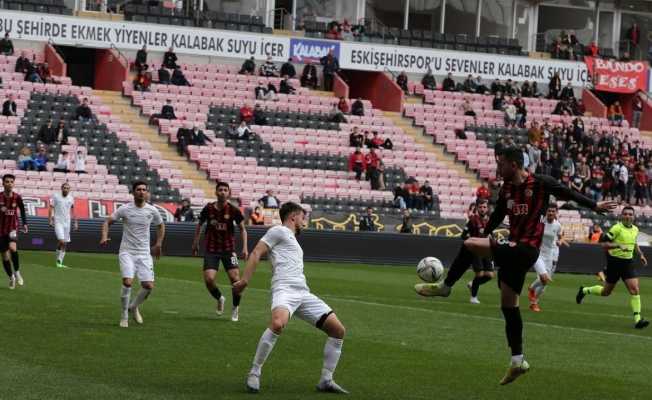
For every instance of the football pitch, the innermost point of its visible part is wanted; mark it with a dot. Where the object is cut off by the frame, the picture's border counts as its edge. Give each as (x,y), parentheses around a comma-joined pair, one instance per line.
(61,338)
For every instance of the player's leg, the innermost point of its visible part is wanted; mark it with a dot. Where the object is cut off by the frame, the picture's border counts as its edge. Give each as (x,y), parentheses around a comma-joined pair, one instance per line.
(631,282)
(543,267)
(145,272)
(13,251)
(233,272)
(483,274)
(127,271)
(513,331)
(6,262)
(211,265)
(613,273)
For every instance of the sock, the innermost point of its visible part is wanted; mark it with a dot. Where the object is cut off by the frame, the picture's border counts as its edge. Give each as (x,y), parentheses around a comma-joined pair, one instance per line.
(460,265)
(265,346)
(475,285)
(513,329)
(62,254)
(14,260)
(595,290)
(635,302)
(332,352)
(236,298)
(6,264)
(58,255)
(538,287)
(517,359)
(143,294)
(215,292)
(124,300)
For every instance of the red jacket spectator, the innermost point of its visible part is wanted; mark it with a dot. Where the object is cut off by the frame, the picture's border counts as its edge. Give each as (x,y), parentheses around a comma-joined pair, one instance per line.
(593,49)
(343,105)
(373,160)
(246,114)
(357,158)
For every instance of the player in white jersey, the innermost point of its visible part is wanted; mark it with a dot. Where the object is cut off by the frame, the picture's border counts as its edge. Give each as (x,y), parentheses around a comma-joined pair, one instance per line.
(291,295)
(548,256)
(135,255)
(61,217)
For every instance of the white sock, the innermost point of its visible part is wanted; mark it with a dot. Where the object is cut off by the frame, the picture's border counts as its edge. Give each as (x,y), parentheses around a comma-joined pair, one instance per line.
(539,290)
(332,352)
(265,346)
(141,297)
(125,295)
(62,254)
(517,359)
(58,255)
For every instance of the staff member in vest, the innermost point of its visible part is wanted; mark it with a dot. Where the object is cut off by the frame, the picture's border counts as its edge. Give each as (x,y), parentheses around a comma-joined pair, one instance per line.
(620,243)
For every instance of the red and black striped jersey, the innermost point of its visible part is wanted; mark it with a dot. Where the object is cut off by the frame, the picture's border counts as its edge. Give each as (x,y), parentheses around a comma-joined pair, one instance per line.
(10,206)
(526,205)
(220,227)
(475,227)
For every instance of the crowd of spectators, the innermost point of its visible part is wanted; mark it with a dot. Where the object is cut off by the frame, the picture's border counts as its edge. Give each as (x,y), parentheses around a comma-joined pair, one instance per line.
(413,195)
(28,161)
(169,73)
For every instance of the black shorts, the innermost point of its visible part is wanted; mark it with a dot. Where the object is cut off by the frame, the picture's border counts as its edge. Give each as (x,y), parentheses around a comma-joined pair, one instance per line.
(4,242)
(513,260)
(482,264)
(212,261)
(619,268)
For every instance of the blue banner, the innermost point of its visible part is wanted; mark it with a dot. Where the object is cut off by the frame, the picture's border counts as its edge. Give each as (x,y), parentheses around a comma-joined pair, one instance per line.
(304,50)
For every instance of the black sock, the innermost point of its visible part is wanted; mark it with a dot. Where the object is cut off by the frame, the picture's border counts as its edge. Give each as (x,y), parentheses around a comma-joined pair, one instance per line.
(513,329)
(236,298)
(14,260)
(7,266)
(215,292)
(477,281)
(459,266)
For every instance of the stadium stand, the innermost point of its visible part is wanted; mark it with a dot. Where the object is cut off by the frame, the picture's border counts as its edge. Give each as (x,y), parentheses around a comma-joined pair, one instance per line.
(39,6)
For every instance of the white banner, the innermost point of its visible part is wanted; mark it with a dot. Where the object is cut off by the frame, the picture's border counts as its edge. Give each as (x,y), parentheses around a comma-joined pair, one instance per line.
(74,31)
(375,57)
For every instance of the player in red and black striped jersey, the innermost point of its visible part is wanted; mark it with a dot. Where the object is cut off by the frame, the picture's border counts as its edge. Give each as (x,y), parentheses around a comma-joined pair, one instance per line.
(221,218)
(523,198)
(11,204)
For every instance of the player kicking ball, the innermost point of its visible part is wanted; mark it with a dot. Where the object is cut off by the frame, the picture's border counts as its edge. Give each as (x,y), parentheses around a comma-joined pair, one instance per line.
(548,256)
(291,295)
(220,218)
(620,243)
(10,205)
(524,198)
(135,255)
(61,217)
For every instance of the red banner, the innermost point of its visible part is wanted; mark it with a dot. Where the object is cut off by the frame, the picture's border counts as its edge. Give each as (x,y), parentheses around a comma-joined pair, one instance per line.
(617,76)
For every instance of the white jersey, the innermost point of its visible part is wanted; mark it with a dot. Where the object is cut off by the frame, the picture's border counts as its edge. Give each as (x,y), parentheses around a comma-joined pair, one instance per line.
(286,256)
(136,222)
(62,206)
(551,232)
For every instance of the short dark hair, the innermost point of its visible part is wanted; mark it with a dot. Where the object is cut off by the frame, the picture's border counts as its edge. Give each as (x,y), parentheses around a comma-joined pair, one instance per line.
(222,184)
(628,208)
(64,184)
(513,154)
(553,206)
(136,184)
(289,208)
(481,201)
(5,176)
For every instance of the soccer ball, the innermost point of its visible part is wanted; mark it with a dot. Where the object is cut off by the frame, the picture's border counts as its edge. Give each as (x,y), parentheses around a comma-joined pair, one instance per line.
(430,269)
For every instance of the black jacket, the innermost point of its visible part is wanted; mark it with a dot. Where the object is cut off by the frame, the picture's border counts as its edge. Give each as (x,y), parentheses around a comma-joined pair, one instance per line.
(167,112)
(22,64)
(183,214)
(163,76)
(6,47)
(367,224)
(84,111)
(9,108)
(179,79)
(199,138)
(170,60)
(248,66)
(288,70)
(357,108)
(448,85)
(285,87)
(331,65)
(141,57)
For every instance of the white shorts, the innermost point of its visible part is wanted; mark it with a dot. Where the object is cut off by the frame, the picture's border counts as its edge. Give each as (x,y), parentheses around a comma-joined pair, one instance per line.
(304,304)
(546,264)
(62,232)
(141,266)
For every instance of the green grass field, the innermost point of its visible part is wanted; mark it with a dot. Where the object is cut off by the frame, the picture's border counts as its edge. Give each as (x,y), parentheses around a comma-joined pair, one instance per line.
(62,341)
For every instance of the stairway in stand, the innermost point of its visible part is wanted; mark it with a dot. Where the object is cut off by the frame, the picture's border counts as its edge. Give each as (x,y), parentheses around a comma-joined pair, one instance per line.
(122,108)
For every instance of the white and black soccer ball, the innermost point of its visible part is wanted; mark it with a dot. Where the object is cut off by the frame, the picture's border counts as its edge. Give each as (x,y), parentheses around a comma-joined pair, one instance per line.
(430,269)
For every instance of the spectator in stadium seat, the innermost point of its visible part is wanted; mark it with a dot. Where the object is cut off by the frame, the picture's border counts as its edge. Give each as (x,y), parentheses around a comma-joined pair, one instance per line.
(26,160)
(178,78)
(343,105)
(287,69)
(526,89)
(497,87)
(510,115)
(567,92)
(469,84)
(269,200)
(448,84)
(336,115)
(63,162)
(372,161)
(480,87)
(268,69)
(32,74)
(554,86)
(231,131)
(309,76)
(22,63)
(521,111)
(170,59)
(467,108)
(428,81)
(41,159)
(9,107)
(46,133)
(198,137)
(534,134)
(357,163)
(143,81)
(183,140)
(616,114)
(285,87)
(427,195)
(244,132)
(260,116)
(246,113)
(534,155)
(141,60)
(80,162)
(83,112)
(357,108)
(333,33)
(377,142)
(402,82)
(61,133)
(356,139)
(257,217)
(367,221)
(248,67)
(6,46)
(331,66)
(184,212)
(406,223)
(163,76)
(498,102)
(44,73)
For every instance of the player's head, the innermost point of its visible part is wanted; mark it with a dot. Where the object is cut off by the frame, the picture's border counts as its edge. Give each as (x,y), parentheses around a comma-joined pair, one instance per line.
(8,182)
(628,215)
(222,191)
(510,162)
(551,213)
(65,189)
(482,207)
(139,190)
(370,211)
(292,215)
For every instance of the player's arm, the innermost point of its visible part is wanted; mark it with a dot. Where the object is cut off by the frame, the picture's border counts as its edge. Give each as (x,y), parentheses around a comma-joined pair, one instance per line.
(158,245)
(105,230)
(203,217)
(607,239)
(73,219)
(259,251)
(641,255)
(23,214)
(561,241)
(51,214)
(564,193)
(497,216)
(243,237)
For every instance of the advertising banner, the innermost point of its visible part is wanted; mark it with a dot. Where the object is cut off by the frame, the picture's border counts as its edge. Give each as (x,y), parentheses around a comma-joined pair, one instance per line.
(308,50)
(618,76)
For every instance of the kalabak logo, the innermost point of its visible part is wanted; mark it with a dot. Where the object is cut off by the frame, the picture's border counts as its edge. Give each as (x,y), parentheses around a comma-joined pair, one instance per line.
(304,50)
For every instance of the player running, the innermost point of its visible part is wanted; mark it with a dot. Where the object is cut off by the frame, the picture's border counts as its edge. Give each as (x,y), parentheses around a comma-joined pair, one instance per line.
(135,255)
(548,256)
(10,204)
(221,218)
(524,198)
(620,243)
(61,217)
(290,295)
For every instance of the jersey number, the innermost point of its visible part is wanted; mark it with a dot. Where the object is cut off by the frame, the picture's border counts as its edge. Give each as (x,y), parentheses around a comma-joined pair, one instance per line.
(520,209)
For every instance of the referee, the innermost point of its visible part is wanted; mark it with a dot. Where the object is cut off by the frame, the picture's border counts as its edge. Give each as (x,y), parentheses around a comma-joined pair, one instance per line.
(620,243)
